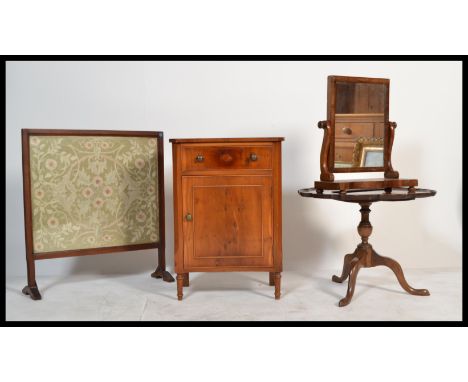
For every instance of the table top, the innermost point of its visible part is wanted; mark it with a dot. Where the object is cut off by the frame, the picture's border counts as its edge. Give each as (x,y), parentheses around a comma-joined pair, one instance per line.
(359,196)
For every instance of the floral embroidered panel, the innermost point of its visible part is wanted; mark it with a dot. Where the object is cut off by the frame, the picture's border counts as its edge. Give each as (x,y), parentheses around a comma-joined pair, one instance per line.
(93,192)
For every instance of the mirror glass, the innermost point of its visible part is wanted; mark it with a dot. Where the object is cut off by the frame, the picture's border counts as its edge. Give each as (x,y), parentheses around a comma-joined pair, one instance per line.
(359,125)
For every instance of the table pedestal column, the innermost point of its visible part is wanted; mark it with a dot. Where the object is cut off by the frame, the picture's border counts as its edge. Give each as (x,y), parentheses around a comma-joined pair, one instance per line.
(365,257)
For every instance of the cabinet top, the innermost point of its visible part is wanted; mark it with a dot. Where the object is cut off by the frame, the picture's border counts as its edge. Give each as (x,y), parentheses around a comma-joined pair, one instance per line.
(222,140)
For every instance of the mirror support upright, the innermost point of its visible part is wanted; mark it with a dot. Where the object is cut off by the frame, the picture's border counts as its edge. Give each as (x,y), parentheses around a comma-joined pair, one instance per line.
(325,173)
(389,171)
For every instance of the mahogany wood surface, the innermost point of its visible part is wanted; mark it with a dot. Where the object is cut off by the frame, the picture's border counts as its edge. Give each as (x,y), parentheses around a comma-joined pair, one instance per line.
(359,184)
(325,172)
(161,271)
(227,207)
(390,136)
(365,256)
(373,195)
(31,289)
(93,251)
(94,133)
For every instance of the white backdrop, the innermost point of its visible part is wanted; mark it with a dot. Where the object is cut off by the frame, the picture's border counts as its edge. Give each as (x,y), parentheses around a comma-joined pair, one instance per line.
(254,99)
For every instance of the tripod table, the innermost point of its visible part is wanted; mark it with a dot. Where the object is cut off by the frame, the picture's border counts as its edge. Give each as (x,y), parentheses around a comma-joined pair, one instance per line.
(364,256)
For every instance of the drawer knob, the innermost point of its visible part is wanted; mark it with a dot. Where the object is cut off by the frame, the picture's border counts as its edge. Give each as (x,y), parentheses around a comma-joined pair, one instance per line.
(226,157)
(188,217)
(253,157)
(199,158)
(347,130)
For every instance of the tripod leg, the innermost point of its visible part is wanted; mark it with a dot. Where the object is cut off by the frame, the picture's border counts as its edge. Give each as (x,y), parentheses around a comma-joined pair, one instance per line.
(355,267)
(346,268)
(396,268)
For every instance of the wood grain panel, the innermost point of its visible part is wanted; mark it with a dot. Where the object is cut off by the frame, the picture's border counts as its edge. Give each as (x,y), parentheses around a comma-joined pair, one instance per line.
(231,221)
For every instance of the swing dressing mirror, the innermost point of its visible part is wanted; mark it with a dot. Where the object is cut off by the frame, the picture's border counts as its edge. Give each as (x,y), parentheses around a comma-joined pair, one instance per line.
(358,136)
(358,113)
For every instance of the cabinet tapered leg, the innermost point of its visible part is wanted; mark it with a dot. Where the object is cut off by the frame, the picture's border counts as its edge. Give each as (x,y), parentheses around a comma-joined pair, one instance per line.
(277,285)
(180,286)
(272,278)
(186,280)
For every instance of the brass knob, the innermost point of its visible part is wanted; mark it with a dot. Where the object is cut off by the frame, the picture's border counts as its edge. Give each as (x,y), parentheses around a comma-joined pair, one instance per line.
(347,130)
(199,158)
(253,157)
(188,217)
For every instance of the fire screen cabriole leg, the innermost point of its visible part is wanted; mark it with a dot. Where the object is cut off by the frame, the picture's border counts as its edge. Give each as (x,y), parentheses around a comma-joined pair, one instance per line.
(160,271)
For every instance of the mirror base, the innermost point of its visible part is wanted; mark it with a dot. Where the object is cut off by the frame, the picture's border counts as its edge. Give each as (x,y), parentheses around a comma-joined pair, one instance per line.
(391,174)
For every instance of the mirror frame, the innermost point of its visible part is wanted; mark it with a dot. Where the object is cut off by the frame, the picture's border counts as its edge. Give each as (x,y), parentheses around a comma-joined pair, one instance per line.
(327,163)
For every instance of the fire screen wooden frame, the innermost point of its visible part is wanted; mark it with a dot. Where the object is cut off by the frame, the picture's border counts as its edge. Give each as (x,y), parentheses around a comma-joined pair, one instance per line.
(74,181)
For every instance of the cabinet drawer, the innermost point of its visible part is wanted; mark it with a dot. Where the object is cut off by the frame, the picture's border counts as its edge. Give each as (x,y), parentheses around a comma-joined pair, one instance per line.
(199,157)
(354,130)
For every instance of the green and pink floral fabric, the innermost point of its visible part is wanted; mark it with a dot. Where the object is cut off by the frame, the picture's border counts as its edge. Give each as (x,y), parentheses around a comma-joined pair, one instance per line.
(92,192)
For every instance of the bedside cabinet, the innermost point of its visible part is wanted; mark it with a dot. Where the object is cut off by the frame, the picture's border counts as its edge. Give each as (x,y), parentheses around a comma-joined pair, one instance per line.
(227,207)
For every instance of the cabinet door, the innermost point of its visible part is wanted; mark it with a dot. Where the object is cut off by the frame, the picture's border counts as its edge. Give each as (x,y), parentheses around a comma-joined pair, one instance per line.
(227,221)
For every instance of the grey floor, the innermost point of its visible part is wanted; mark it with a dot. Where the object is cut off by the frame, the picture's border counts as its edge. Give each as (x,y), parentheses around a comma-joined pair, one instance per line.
(239,296)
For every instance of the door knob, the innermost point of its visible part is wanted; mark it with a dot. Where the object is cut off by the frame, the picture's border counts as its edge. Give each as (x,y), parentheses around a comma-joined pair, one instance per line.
(188,217)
